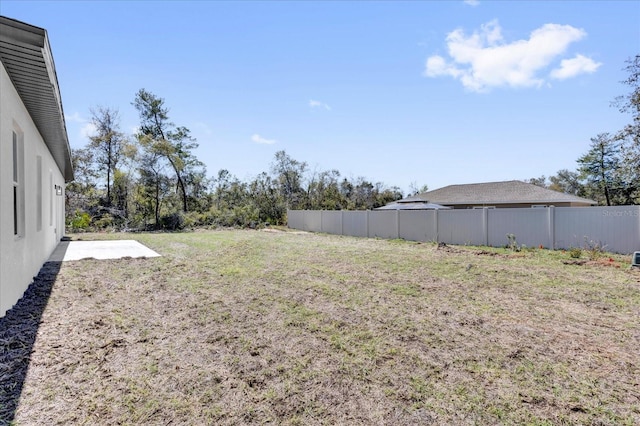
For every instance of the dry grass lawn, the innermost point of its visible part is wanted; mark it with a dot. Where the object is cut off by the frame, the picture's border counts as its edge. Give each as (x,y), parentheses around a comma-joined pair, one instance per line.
(251,327)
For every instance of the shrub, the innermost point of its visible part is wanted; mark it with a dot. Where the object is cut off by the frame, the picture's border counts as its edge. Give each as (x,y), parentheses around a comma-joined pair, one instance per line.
(173,221)
(80,221)
(575,252)
(105,221)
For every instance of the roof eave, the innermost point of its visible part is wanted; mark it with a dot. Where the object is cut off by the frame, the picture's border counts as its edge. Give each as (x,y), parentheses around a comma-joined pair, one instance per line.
(17,41)
(458,203)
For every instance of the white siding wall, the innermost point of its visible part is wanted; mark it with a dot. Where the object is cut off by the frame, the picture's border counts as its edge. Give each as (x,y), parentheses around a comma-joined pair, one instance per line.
(22,257)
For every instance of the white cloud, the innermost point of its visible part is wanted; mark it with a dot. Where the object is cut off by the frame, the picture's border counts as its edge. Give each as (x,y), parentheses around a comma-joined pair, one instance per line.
(75,117)
(85,128)
(483,60)
(572,67)
(318,104)
(203,127)
(259,139)
(88,130)
(472,2)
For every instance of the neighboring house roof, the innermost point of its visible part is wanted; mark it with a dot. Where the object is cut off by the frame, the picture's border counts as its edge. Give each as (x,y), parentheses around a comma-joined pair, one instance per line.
(496,193)
(400,205)
(26,55)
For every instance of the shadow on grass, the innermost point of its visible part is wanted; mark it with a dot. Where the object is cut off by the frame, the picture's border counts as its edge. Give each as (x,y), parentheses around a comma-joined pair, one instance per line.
(18,331)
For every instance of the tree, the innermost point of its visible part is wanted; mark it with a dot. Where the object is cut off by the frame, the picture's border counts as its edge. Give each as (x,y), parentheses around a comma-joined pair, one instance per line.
(153,186)
(289,174)
(106,144)
(599,167)
(324,191)
(541,181)
(415,189)
(263,192)
(629,136)
(159,136)
(567,182)
(631,103)
(82,194)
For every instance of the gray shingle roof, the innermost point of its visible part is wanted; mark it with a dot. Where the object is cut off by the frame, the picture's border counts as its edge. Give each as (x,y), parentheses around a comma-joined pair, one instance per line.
(493,193)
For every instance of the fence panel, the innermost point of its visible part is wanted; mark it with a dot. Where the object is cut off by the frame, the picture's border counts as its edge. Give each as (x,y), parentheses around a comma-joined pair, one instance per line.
(461,227)
(354,223)
(418,225)
(332,221)
(383,224)
(295,219)
(313,220)
(530,226)
(616,228)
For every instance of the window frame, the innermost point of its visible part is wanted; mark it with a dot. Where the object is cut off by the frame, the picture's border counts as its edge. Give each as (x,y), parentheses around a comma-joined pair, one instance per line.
(18,183)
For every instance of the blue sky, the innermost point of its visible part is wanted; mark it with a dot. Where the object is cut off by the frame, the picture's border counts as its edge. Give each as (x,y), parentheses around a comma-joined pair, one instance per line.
(432,93)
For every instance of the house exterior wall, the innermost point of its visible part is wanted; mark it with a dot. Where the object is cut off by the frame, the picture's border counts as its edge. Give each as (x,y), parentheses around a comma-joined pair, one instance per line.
(41,212)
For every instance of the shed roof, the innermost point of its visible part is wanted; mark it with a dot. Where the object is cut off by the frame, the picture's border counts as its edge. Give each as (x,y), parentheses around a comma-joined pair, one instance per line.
(418,205)
(495,193)
(26,55)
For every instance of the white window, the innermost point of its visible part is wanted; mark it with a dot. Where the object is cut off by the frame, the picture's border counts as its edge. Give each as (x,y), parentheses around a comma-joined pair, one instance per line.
(39,193)
(51,195)
(18,185)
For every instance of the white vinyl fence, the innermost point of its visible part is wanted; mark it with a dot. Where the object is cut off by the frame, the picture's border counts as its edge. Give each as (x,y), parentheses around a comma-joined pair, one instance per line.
(617,229)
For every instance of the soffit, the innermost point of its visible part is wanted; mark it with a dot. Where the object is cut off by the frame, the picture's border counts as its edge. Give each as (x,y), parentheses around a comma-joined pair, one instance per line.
(26,56)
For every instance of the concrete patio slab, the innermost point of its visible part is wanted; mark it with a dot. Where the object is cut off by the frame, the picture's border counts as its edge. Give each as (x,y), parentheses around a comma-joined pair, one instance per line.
(118,249)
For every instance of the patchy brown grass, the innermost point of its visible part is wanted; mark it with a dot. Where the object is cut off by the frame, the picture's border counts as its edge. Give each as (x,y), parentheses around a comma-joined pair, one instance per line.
(248,327)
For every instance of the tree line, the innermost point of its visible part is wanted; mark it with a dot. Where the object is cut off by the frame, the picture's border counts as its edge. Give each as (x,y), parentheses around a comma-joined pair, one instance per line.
(153,180)
(609,172)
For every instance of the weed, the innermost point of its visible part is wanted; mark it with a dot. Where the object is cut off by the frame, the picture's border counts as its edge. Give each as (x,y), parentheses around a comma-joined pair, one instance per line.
(512,243)
(595,249)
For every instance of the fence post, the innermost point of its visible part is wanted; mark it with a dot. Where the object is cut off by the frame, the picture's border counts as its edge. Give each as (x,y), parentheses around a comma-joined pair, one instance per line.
(341,222)
(435,216)
(638,240)
(485,225)
(552,227)
(367,222)
(398,223)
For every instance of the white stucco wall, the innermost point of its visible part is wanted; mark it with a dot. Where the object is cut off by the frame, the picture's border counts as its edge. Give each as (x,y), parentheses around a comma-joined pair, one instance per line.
(22,257)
